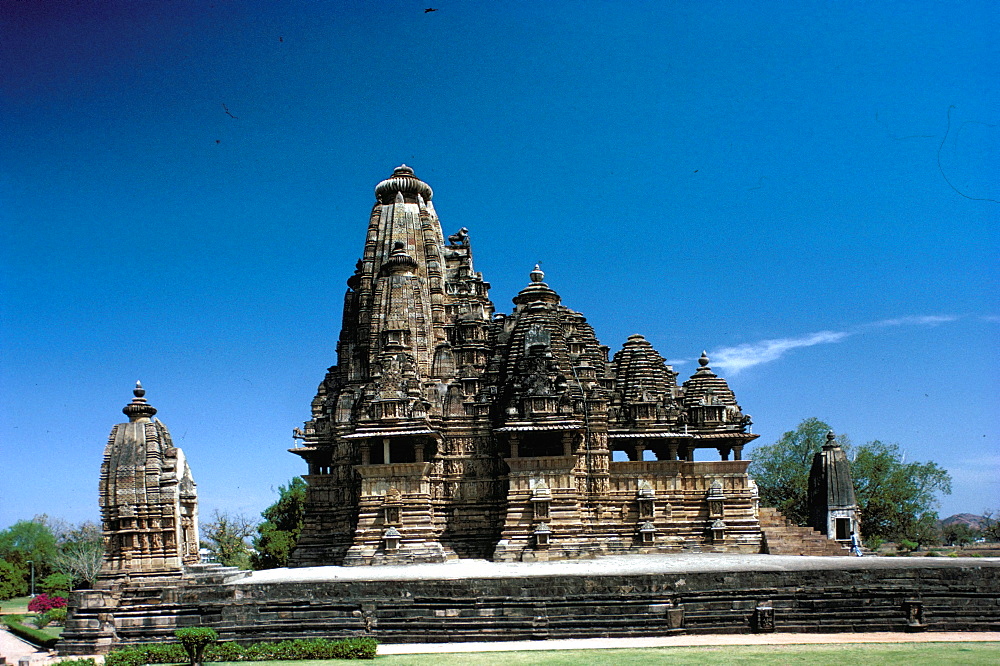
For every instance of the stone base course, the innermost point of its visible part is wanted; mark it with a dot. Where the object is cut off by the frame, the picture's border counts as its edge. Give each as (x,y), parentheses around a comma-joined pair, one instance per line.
(740,595)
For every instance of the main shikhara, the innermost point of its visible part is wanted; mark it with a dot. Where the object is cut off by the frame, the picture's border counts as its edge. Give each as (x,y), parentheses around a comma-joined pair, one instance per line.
(447,429)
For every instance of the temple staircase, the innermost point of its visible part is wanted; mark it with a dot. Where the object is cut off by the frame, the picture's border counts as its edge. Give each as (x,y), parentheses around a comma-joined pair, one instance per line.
(783,537)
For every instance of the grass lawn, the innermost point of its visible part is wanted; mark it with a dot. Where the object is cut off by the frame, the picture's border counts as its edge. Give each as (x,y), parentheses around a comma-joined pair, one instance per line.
(911,654)
(16,605)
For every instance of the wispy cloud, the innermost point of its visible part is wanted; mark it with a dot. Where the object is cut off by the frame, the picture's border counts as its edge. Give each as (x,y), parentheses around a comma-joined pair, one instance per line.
(741,357)
(732,360)
(930,320)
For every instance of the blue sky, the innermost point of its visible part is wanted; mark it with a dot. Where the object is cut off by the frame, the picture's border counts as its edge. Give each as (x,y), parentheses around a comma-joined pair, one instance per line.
(806,190)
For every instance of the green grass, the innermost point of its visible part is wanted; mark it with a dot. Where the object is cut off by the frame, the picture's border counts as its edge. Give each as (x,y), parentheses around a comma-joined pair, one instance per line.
(17,605)
(52,630)
(911,654)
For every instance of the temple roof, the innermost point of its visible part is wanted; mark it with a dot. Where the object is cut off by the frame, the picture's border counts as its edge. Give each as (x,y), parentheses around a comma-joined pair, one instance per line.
(405,183)
(705,386)
(641,374)
(830,475)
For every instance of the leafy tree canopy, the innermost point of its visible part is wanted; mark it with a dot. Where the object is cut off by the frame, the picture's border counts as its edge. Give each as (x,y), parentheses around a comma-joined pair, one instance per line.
(781,470)
(13,580)
(278,534)
(226,537)
(29,540)
(896,498)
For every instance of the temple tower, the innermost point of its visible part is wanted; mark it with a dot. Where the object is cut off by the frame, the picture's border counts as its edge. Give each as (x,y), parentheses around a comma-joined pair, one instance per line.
(148,498)
(396,440)
(833,508)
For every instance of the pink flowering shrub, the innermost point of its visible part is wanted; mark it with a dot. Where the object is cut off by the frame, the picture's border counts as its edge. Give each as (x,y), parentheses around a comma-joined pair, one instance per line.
(44,602)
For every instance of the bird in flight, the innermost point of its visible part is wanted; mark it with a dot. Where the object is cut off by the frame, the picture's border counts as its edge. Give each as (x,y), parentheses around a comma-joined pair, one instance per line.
(228,113)
(429,10)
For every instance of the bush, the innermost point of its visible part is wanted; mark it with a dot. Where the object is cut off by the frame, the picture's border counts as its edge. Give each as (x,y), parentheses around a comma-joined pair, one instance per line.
(44,602)
(56,616)
(33,636)
(195,640)
(57,585)
(163,653)
(155,653)
(87,661)
(932,553)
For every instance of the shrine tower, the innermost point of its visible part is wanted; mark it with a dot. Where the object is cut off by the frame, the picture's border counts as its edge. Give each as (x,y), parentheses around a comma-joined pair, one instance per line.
(148,498)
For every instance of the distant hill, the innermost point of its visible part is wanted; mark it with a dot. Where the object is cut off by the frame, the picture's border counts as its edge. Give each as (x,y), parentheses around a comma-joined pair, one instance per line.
(970,519)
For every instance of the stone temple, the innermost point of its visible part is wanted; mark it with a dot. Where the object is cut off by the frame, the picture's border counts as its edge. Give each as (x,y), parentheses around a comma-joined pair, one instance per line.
(148,498)
(447,429)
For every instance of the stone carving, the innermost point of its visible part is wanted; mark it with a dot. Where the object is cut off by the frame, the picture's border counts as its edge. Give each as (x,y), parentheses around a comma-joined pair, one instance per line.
(460,238)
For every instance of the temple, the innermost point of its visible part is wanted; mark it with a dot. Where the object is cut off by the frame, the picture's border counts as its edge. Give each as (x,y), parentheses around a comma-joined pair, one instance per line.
(148,499)
(833,509)
(449,430)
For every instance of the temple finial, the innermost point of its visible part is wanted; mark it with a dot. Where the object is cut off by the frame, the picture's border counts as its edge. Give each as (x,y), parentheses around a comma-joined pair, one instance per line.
(703,361)
(537,275)
(138,408)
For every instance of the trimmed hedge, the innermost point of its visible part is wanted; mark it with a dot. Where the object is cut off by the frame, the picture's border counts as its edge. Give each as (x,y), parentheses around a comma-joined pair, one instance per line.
(319,648)
(33,636)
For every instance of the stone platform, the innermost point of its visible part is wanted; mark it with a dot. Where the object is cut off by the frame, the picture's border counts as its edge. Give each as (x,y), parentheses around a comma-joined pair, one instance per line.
(650,595)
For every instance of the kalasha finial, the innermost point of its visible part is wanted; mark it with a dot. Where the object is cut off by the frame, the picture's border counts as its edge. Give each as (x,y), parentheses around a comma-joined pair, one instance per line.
(831,440)
(537,275)
(138,408)
(703,361)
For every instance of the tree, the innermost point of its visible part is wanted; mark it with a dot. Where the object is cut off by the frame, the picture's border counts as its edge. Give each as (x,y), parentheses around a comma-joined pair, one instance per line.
(989,526)
(278,534)
(29,540)
(226,537)
(57,585)
(81,560)
(13,580)
(781,470)
(195,640)
(958,534)
(896,499)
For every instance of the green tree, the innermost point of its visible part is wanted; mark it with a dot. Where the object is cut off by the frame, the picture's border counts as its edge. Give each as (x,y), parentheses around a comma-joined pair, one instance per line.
(29,540)
(958,534)
(278,534)
(57,585)
(781,470)
(989,526)
(897,498)
(226,537)
(13,580)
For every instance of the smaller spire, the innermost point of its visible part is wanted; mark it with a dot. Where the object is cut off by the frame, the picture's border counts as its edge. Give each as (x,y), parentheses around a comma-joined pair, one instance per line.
(537,275)
(138,408)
